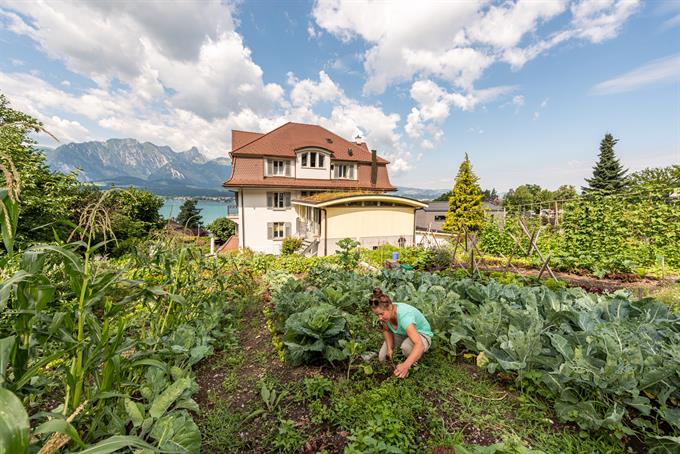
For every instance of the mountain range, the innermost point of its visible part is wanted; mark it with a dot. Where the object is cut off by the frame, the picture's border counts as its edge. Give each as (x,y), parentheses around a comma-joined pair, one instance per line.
(160,169)
(127,162)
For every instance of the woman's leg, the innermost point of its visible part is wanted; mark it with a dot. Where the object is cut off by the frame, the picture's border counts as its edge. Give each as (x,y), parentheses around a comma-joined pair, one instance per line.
(397,341)
(407,345)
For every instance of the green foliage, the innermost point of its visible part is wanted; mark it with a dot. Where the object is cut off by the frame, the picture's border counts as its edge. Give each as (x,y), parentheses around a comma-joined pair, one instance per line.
(348,253)
(314,334)
(222,228)
(288,439)
(290,245)
(25,172)
(659,181)
(189,216)
(616,234)
(528,197)
(14,425)
(465,203)
(609,176)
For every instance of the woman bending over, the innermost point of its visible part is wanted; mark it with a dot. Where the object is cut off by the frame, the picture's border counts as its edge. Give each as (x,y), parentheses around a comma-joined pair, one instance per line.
(403,326)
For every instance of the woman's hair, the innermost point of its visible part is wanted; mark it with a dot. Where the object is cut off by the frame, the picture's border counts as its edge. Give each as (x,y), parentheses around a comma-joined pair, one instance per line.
(379,299)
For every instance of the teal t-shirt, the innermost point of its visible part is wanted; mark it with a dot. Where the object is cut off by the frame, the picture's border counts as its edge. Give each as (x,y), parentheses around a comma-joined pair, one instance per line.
(407,314)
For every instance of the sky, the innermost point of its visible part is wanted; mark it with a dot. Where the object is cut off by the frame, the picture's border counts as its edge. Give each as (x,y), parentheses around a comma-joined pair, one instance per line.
(527,89)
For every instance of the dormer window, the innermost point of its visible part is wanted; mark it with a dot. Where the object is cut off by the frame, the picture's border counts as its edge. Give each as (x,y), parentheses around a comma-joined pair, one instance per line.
(312,160)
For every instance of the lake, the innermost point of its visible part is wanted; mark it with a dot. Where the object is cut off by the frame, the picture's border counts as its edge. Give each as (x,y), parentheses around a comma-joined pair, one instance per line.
(210,209)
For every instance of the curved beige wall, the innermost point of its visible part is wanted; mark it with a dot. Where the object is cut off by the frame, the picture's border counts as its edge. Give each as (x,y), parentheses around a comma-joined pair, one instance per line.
(361,222)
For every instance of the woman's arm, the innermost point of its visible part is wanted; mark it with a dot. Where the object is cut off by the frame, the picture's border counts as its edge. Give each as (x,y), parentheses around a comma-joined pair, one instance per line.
(402,369)
(389,340)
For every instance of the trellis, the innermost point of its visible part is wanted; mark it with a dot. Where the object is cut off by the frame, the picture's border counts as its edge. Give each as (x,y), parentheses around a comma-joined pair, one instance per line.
(472,245)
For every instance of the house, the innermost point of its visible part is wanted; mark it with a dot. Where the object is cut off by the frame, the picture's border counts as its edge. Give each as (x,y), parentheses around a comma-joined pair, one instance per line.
(305,181)
(432,217)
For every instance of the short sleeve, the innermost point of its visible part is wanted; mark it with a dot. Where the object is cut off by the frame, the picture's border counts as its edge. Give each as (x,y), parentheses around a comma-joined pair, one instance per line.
(408,319)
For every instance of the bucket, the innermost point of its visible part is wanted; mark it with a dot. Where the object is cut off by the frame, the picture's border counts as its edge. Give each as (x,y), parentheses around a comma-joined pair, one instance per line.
(395,256)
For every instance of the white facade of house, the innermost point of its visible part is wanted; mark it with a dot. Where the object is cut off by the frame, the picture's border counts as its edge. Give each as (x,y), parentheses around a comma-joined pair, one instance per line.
(259,222)
(274,175)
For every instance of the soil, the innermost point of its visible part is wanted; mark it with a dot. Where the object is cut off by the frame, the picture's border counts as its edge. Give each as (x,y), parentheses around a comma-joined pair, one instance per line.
(246,396)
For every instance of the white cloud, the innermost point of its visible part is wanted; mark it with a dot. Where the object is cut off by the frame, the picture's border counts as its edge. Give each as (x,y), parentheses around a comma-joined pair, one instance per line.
(434,104)
(312,31)
(307,93)
(518,100)
(662,70)
(598,20)
(193,52)
(457,42)
(66,130)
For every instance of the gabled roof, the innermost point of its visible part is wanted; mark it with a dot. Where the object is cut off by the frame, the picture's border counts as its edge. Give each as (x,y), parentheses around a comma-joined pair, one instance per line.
(285,140)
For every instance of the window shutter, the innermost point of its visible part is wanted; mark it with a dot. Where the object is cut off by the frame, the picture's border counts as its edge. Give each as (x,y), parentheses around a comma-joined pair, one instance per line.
(287,233)
(287,164)
(351,172)
(335,171)
(270,230)
(286,199)
(270,170)
(270,200)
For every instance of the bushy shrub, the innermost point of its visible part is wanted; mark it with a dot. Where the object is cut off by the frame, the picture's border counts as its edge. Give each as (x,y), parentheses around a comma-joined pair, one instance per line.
(349,253)
(290,245)
(222,228)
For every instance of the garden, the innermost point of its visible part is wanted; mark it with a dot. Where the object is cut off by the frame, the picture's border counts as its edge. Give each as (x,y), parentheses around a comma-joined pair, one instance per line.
(118,336)
(168,350)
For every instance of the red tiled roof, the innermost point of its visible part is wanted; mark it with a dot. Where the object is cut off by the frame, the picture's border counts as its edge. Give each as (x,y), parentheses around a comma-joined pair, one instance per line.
(249,171)
(284,140)
(240,138)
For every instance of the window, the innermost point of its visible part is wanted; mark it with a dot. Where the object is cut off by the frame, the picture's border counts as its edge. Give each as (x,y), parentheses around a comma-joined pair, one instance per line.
(440,217)
(278,200)
(345,171)
(278,230)
(312,159)
(278,168)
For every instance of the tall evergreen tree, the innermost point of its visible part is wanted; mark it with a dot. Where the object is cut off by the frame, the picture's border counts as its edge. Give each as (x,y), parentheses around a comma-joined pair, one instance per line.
(609,176)
(189,215)
(465,203)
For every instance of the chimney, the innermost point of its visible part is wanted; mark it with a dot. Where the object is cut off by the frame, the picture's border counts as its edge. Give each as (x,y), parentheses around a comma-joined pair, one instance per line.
(374,167)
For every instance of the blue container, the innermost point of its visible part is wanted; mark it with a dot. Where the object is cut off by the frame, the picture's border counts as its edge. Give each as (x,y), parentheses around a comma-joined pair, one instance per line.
(395,256)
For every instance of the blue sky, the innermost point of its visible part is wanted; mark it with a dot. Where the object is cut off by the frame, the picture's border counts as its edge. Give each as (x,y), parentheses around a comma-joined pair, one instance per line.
(526,88)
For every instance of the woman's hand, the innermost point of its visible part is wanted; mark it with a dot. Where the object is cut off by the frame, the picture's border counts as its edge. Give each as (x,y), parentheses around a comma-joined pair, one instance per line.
(401,370)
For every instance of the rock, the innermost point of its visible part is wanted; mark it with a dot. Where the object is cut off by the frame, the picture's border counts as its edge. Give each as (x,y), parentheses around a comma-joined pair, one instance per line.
(368,356)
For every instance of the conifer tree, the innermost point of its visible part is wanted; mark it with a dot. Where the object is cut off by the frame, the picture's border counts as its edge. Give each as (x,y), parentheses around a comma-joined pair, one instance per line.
(189,215)
(609,176)
(465,203)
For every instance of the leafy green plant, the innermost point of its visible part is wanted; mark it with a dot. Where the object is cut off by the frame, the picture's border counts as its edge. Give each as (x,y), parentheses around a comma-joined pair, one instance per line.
(287,439)
(348,253)
(314,334)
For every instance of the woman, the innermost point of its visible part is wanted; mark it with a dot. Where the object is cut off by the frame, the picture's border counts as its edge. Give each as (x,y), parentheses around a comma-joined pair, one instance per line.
(403,325)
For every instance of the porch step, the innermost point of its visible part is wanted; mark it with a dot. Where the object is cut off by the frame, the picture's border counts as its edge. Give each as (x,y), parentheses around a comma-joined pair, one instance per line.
(309,247)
